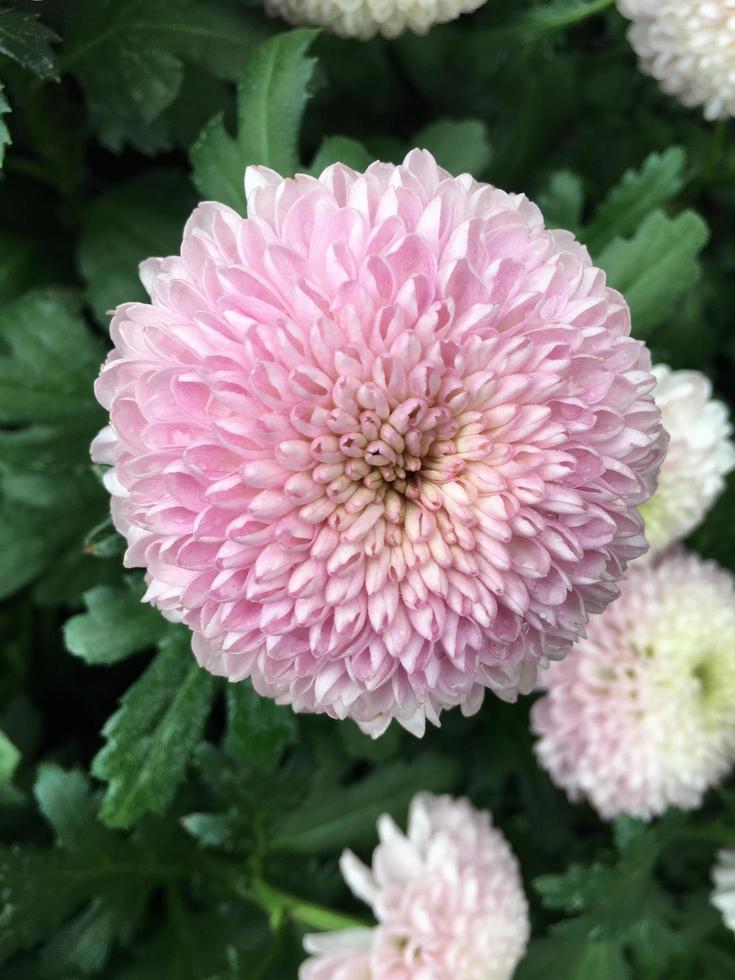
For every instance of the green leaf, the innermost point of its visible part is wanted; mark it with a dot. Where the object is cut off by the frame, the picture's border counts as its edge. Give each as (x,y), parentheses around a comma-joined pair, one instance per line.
(340,149)
(49,495)
(151,737)
(621,905)
(573,960)
(328,821)
(553,16)
(4,132)
(655,267)
(26,40)
(562,200)
(639,192)
(138,218)
(272,95)
(89,890)
(115,625)
(460,146)
(9,759)
(258,729)
(129,55)
(51,360)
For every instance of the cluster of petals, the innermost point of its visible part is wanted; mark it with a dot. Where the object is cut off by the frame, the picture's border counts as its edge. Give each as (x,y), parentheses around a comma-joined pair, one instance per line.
(723,878)
(689,47)
(699,456)
(380,444)
(364,19)
(447,896)
(641,715)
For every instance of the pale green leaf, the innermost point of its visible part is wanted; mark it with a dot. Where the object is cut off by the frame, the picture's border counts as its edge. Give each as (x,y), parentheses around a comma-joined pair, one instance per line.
(655,267)
(639,192)
(115,625)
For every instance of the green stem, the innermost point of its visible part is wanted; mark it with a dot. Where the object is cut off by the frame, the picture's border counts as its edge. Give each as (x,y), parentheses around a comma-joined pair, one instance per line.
(596,7)
(279,904)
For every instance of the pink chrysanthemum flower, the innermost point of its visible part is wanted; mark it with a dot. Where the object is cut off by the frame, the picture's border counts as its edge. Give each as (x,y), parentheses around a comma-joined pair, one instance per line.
(699,456)
(689,47)
(365,18)
(448,899)
(380,444)
(641,715)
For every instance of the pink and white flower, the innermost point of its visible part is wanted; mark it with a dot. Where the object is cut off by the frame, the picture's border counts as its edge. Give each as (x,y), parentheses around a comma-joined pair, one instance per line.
(447,896)
(699,456)
(380,445)
(641,715)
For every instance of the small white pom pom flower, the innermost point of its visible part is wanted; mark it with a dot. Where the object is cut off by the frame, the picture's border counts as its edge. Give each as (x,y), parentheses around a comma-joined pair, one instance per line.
(365,18)
(723,896)
(641,715)
(699,456)
(689,47)
(447,896)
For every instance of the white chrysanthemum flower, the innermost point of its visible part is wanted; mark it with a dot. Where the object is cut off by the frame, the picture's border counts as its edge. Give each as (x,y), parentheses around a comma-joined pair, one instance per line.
(723,896)
(447,896)
(699,456)
(689,46)
(365,18)
(641,715)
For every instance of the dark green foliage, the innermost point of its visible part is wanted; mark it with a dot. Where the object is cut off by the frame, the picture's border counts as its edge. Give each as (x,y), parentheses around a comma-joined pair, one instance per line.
(157,823)
(270,101)
(153,734)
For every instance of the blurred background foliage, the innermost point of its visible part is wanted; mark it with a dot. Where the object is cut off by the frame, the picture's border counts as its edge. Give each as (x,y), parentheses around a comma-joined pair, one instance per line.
(143,805)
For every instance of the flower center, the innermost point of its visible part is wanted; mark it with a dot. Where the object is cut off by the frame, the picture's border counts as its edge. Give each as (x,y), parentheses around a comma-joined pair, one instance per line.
(396,445)
(390,457)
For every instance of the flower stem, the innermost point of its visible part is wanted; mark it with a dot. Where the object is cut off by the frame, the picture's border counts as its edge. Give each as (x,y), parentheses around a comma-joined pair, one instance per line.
(574,16)
(279,904)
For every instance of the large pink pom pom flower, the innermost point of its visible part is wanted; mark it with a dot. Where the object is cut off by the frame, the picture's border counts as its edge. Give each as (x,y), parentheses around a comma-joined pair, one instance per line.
(380,444)
(447,895)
